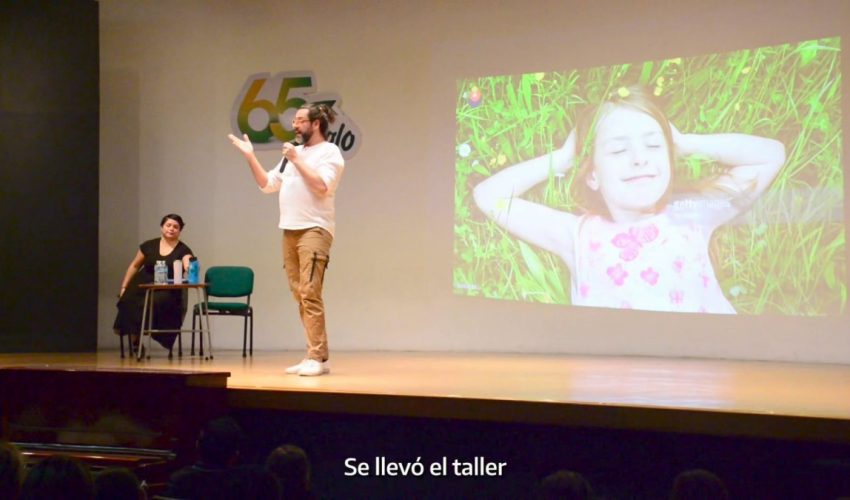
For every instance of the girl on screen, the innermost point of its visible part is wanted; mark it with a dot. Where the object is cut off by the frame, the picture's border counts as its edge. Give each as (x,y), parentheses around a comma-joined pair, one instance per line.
(636,244)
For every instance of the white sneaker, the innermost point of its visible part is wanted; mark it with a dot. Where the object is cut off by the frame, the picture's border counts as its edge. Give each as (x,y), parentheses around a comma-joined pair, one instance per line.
(312,368)
(295,369)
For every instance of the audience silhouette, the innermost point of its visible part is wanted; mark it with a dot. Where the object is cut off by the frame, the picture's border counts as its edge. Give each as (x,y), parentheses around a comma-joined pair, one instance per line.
(564,485)
(698,484)
(12,469)
(290,465)
(58,476)
(117,484)
(217,469)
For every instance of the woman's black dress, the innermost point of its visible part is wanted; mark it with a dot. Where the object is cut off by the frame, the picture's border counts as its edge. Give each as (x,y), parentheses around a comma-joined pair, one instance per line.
(169,306)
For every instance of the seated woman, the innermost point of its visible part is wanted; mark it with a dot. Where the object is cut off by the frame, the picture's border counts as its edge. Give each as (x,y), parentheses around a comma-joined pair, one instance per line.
(169,306)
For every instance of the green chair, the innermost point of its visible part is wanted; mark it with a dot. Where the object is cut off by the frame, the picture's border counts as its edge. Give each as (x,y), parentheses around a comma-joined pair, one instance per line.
(228,282)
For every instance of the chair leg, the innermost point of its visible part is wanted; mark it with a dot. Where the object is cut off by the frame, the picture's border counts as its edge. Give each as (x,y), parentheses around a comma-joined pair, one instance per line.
(180,343)
(244,335)
(121,339)
(194,317)
(197,314)
(252,334)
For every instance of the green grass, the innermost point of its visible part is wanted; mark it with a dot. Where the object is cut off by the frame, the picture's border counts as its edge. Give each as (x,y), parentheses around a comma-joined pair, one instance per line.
(789,256)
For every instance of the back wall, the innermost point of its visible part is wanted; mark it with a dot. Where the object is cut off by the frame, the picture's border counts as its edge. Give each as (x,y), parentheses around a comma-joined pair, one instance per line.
(171,72)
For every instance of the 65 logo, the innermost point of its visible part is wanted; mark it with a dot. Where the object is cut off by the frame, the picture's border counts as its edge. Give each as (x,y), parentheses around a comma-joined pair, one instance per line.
(266,105)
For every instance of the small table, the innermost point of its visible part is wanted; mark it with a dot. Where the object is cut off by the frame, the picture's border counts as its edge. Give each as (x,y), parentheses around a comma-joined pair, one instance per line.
(147,315)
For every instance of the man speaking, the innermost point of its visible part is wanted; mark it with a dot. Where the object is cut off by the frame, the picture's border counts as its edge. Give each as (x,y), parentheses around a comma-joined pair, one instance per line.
(306,178)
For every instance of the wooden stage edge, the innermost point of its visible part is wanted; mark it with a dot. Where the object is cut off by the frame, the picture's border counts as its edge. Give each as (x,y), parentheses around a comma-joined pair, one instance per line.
(787,401)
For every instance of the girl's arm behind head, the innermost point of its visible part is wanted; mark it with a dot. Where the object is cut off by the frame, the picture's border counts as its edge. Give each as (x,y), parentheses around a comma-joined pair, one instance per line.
(498,197)
(752,163)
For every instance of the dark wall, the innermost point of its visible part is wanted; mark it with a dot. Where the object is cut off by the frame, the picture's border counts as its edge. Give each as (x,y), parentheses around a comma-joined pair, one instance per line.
(48,175)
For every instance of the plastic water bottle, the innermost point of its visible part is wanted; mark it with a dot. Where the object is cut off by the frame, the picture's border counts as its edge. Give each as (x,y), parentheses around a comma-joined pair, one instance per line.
(160,273)
(178,272)
(194,276)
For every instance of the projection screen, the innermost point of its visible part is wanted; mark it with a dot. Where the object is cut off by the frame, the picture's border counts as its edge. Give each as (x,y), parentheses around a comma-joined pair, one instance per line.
(707,184)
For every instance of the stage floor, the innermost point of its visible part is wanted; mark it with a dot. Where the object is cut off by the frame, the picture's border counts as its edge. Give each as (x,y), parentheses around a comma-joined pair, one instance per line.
(739,398)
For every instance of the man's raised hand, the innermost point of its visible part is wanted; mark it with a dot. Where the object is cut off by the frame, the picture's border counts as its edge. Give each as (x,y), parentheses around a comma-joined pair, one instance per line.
(243,144)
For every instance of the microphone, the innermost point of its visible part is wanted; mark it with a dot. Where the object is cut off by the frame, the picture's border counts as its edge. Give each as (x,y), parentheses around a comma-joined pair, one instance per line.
(294,142)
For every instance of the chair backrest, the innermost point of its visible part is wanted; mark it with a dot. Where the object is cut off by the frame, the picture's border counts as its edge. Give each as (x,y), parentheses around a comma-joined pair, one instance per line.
(229,281)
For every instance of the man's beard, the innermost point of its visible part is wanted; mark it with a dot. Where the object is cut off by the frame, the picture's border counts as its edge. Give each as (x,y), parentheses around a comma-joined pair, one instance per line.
(306,136)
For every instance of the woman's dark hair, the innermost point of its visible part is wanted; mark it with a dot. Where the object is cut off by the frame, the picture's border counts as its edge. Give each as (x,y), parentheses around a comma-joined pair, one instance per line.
(176,218)
(322,112)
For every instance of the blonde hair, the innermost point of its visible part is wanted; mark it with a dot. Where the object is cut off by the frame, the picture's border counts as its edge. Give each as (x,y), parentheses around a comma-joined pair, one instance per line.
(635,97)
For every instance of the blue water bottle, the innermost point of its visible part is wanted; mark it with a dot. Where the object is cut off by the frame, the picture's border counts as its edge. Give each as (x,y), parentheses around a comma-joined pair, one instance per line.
(194,276)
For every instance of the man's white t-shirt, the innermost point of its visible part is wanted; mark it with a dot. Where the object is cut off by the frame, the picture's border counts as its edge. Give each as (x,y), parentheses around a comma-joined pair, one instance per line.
(299,207)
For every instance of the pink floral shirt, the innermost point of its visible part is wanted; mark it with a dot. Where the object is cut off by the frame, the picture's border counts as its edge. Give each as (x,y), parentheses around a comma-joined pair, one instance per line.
(654,264)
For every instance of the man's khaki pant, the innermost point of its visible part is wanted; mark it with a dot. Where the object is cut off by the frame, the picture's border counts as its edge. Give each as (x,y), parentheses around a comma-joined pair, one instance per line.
(305,257)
